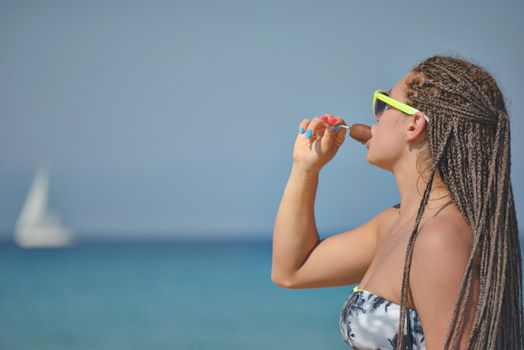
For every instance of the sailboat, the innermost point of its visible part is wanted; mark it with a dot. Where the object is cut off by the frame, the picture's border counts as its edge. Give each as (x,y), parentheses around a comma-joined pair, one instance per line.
(37,226)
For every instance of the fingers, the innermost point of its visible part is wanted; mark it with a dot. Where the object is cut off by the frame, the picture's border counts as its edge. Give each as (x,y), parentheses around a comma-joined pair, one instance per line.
(303,126)
(324,127)
(315,128)
(335,134)
(329,118)
(318,126)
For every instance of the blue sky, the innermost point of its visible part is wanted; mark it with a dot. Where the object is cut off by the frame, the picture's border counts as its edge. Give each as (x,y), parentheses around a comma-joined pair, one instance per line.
(180,116)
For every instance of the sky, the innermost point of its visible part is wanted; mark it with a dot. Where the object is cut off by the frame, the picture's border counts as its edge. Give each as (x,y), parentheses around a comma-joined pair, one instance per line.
(178,118)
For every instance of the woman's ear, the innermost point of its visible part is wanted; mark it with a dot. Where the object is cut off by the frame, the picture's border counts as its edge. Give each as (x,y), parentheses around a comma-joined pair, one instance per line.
(416,127)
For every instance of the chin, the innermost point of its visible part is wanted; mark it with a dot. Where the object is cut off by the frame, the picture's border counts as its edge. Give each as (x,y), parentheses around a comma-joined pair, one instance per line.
(370,160)
(369,157)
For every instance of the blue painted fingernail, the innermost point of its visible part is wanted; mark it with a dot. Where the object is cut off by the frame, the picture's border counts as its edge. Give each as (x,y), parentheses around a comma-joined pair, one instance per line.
(302,130)
(336,128)
(309,133)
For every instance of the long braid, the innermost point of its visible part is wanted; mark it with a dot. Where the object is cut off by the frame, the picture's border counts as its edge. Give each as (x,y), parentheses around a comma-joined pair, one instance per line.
(411,242)
(469,144)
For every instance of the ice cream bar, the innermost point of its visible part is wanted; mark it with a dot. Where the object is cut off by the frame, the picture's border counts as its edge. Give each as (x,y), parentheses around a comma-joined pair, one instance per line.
(359,132)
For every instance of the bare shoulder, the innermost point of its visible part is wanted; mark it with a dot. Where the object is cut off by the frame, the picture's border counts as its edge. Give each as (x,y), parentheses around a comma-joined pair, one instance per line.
(450,226)
(386,219)
(440,257)
(449,232)
(389,215)
(440,243)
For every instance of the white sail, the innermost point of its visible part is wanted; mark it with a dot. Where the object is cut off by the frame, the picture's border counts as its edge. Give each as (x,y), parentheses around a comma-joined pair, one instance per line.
(37,226)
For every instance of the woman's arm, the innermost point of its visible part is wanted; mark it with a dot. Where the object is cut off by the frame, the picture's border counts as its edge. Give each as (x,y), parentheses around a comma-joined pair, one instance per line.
(301,260)
(295,232)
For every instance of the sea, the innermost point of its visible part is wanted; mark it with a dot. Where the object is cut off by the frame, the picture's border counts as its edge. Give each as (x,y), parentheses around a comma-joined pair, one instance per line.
(164,294)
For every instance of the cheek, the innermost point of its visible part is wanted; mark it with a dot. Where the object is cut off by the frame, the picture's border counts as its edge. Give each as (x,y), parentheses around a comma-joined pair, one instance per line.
(395,145)
(386,147)
(386,136)
(389,134)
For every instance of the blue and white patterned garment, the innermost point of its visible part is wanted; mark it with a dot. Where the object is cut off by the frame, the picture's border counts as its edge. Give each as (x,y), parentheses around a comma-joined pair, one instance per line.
(368,321)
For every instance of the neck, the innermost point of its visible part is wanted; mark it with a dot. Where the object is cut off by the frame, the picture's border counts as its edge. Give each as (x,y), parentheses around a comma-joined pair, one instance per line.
(411,189)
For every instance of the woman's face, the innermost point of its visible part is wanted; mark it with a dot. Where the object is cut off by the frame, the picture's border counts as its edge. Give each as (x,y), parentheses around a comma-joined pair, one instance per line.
(388,141)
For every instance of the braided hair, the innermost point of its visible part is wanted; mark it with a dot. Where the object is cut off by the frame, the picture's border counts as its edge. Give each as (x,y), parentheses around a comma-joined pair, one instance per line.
(469,144)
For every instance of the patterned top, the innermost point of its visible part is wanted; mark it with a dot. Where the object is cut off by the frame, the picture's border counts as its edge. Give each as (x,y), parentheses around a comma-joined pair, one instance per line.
(368,321)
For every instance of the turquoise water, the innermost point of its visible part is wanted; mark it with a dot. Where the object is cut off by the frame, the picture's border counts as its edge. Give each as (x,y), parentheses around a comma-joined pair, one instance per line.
(159,295)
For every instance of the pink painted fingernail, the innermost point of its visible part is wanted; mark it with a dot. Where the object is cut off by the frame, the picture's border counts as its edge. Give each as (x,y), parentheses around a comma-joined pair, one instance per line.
(324,117)
(333,120)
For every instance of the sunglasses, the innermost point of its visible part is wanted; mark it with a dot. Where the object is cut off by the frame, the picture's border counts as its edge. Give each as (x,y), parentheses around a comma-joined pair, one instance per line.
(381,101)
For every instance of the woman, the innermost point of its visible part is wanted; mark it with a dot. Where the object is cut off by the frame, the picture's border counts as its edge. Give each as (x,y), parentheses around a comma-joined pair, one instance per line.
(446,261)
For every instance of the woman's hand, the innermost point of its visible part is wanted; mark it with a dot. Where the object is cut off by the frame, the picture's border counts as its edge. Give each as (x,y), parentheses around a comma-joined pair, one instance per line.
(312,153)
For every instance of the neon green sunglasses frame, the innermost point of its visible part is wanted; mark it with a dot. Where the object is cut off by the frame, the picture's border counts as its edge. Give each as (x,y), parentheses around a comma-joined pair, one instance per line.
(383,96)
